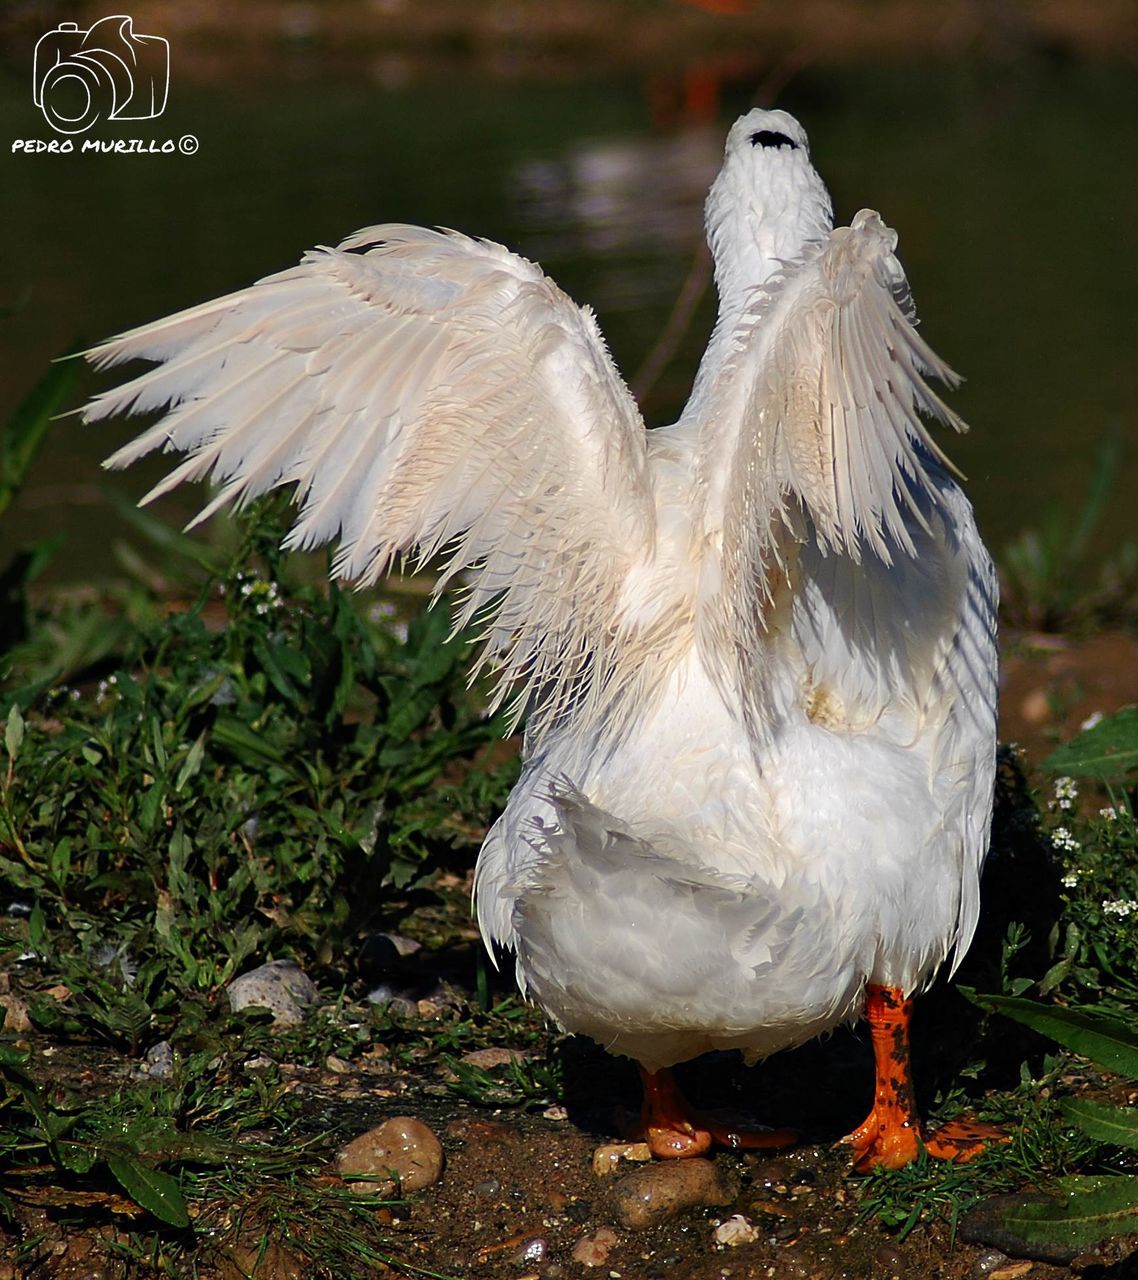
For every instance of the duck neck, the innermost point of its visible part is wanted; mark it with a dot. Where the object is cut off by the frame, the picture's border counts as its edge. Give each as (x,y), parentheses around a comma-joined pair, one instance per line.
(750,242)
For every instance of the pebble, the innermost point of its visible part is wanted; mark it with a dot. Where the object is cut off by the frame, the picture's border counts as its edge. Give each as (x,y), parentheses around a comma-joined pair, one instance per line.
(402,1148)
(593,1249)
(734,1231)
(488,1059)
(482,1133)
(776,1173)
(392,1002)
(607,1157)
(158,1062)
(274,1262)
(280,986)
(535,1249)
(990,1260)
(649,1196)
(891,1259)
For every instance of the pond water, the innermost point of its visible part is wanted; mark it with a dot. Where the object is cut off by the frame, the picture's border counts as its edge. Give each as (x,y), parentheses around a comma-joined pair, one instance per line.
(1013,189)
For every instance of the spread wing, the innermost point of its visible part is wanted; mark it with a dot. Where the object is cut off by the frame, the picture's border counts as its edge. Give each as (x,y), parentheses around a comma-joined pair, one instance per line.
(813,429)
(426,393)
(845,541)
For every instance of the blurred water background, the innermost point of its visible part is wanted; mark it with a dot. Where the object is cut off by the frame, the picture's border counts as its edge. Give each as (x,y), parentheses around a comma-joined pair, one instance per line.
(997,136)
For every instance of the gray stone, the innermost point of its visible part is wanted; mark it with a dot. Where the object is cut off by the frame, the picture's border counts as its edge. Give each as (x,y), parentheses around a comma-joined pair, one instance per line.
(280,986)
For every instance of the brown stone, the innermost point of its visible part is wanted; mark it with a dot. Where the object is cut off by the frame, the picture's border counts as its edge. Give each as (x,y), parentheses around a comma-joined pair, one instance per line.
(651,1195)
(402,1155)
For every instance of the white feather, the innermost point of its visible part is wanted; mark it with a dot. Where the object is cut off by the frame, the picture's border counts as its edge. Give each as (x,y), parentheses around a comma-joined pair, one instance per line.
(757,649)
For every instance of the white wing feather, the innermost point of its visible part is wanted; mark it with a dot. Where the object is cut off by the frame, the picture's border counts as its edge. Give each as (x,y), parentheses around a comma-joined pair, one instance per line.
(841,527)
(823,398)
(819,410)
(432,394)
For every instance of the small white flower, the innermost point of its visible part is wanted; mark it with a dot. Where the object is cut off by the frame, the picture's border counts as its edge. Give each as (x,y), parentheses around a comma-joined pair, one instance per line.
(264,596)
(1061,838)
(1121,907)
(1110,813)
(1065,793)
(1071,879)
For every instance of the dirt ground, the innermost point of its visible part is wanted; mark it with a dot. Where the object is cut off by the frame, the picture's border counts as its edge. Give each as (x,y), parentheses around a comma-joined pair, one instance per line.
(520,1197)
(1050,685)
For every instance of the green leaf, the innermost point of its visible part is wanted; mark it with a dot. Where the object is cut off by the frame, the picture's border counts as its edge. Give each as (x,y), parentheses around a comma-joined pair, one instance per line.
(14,731)
(14,1059)
(151,808)
(1107,1041)
(1093,1209)
(37,926)
(1104,1123)
(158,743)
(1106,752)
(157,1192)
(25,430)
(61,860)
(192,763)
(247,746)
(78,1157)
(279,664)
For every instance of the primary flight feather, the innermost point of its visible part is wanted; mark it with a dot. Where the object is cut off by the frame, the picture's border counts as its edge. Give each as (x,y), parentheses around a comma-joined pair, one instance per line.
(755,651)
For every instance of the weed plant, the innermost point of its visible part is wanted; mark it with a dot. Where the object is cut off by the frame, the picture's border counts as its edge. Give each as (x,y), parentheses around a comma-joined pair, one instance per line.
(220,763)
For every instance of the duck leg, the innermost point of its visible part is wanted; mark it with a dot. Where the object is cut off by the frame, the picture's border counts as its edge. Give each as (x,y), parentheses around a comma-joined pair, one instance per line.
(673,1128)
(890,1136)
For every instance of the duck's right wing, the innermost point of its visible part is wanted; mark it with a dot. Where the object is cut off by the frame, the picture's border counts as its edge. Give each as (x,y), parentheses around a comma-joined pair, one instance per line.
(814,430)
(426,393)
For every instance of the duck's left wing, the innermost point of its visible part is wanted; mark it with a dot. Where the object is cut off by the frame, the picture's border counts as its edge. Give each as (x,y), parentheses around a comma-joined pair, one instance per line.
(426,393)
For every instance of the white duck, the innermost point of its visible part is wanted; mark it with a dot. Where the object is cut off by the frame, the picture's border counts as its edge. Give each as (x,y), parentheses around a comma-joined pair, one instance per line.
(755,650)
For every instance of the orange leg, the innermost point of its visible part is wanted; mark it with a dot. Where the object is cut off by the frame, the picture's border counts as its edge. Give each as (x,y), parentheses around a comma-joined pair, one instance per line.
(673,1128)
(890,1136)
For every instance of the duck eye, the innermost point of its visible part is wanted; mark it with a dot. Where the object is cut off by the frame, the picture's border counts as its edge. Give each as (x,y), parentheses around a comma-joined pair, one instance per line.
(769,138)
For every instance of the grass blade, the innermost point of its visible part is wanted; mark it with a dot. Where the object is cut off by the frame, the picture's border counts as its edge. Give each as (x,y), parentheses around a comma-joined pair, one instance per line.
(27,427)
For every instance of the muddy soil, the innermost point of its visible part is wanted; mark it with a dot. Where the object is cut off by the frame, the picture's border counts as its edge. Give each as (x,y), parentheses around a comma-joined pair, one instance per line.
(520,1199)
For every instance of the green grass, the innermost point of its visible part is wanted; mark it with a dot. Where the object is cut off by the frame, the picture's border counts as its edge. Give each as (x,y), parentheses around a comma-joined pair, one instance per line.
(222,760)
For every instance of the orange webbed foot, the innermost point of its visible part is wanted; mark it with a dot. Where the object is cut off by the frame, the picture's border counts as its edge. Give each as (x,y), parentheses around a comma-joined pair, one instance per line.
(963,1140)
(890,1136)
(674,1129)
(890,1145)
(882,1142)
